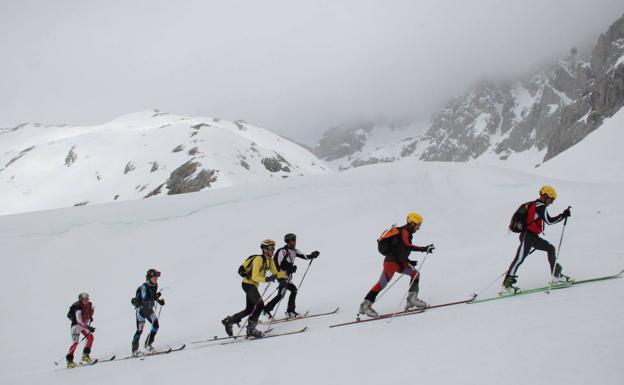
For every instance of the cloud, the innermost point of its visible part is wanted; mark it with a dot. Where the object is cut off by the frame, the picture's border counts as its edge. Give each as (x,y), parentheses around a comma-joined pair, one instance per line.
(295,67)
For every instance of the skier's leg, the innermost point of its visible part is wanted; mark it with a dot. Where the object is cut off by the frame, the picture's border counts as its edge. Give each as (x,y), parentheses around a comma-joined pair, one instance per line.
(249,306)
(389,268)
(544,245)
(526,243)
(140,323)
(283,283)
(75,335)
(412,296)
(258,305)
(293,296)
(89,338)
(153,319)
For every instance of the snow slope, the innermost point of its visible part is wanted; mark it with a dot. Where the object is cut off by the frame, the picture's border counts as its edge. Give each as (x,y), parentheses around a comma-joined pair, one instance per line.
(597,158)
(572,336)
(139,155)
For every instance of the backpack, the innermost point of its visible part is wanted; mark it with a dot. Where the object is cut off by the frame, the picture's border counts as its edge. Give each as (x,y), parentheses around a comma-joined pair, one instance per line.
(136,301)
(244,270)
(387,239)
(72,310)
(518,221)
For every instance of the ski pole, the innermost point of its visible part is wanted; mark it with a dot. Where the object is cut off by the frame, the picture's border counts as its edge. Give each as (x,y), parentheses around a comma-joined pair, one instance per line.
(389,287)
(408,290)
(254,309)
(552,273)
(304,274)
(278,304)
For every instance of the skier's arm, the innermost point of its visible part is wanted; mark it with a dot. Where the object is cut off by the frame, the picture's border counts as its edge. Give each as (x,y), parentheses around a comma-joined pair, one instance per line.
(543,213)
(79,320)
(299,254)
(406,241)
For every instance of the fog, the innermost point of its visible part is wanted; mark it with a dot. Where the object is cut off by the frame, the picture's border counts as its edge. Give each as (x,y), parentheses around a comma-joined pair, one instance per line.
(294,67)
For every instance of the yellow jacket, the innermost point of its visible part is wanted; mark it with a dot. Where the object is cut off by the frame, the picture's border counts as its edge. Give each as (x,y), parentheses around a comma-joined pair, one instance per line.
(259,266)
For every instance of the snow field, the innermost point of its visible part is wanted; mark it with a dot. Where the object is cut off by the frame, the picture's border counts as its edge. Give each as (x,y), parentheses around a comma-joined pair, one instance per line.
(570,336)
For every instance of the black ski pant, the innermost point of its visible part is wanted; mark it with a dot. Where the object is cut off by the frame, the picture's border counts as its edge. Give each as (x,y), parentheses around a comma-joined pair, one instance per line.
(254,304)
(529,240)
(284,284)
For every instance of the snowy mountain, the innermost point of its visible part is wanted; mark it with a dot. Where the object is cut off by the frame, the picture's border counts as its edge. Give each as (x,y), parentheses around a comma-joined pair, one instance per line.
(522,122)
(140,155)
(571,336)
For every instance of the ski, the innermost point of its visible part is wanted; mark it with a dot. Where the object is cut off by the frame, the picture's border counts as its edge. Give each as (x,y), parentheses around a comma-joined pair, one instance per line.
(156,353)
(265,336)
(95,361)
(546,288)
(358,320)
(306,315)
(278,320)
(216,338)
(403,313)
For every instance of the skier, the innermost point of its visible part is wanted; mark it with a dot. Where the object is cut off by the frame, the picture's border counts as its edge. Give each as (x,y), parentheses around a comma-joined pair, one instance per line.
(529,238)
(81,315)
(284,259)
(396,245)
(147,295)
(253,270)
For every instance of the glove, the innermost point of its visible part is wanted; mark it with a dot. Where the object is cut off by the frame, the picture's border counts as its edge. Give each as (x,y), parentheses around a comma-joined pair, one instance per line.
(566,213)
(158,294)
(91,329)
(413,263)
(270,278)
(161,301)
(291,269)
(314,254)
(429,248)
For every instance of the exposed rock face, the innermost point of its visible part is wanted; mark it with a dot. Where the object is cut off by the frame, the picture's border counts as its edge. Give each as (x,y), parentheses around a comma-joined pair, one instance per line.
(276,163)
(71,157)
(129,167)
(186,179)
(543,112)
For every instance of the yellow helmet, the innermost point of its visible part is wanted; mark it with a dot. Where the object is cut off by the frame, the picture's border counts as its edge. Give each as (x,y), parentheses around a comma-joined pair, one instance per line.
(414,218)
(549,191)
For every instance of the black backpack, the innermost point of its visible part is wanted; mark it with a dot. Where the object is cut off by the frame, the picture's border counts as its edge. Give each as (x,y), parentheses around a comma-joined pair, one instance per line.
(136,301)
(518,221)
(387,240)
(72,310)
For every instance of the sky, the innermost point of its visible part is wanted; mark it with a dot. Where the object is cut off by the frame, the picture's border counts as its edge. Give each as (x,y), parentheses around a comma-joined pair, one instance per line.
(293,67)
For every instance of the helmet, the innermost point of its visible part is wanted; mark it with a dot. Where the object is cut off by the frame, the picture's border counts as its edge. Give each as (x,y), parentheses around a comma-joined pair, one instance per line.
(82,296)
(290,237)
(549,191)
(267,243)
(414,218)
(152,273)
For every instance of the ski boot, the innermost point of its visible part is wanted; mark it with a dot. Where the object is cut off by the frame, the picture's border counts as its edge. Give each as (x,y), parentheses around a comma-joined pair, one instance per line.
(366,307)
(508,286)
(136,353)
(267,314)
(508,290)
(150,349)
(86,358)
(70,361)
(252,332)
(414,302)
(291,314)
(228,322)
(562,280)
